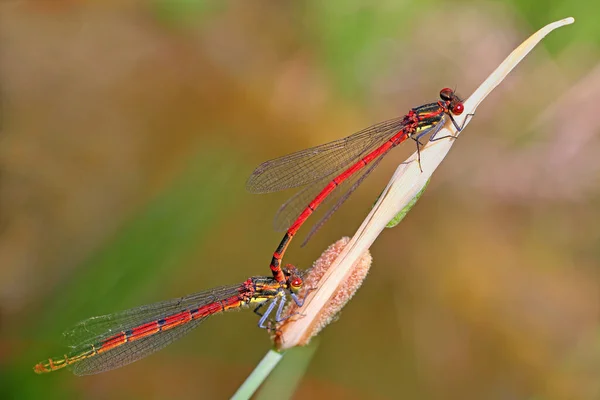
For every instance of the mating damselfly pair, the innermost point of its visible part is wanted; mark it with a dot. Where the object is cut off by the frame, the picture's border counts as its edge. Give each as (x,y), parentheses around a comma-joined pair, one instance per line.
(111,341)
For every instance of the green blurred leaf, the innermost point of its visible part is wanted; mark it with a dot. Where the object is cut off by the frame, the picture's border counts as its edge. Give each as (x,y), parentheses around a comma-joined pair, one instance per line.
(539,13)
(353,36)
(400,216)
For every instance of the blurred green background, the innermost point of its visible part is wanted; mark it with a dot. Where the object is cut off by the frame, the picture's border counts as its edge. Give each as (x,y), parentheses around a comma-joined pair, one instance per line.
(128,129)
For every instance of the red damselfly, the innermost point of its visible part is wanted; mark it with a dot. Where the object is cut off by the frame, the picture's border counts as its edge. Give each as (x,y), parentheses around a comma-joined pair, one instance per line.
(111,341)
(321,165)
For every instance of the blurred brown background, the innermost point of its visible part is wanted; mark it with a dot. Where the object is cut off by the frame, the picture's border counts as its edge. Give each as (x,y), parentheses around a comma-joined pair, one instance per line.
(128,130)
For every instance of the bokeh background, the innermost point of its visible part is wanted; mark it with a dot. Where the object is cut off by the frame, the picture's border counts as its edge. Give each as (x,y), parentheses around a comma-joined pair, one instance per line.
(128,129)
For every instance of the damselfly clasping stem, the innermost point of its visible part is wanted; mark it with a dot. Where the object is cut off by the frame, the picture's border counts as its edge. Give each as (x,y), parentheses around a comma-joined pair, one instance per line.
(307,321)
(407,183)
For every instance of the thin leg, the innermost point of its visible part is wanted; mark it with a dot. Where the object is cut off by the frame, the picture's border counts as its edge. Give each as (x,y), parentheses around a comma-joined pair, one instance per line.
(264,318)
(288,317)
(297,300)
(460,128)
(434,130)
(443,137)
(280,310)
(278,317)
(300,302)
(257,309)
(418,152)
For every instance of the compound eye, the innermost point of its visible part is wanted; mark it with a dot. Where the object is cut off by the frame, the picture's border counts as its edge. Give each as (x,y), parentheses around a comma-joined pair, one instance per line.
(446,94)
(458,109)
(296,284)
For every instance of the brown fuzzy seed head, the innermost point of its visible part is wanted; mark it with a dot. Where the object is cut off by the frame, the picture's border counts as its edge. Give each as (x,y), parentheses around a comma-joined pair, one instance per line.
(312,283)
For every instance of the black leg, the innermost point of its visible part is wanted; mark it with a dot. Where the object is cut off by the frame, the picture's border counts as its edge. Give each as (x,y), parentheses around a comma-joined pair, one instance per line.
(419,154)
(460,128)
(443,137)
(257,309)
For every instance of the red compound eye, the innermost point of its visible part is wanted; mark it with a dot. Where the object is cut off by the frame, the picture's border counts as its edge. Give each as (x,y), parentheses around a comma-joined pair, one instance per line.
(297,282)
(458,109)
(446,94)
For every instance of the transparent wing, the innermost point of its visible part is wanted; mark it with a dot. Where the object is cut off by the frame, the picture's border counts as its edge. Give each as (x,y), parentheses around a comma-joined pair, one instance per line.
(295,205)
(132,351)
(291,209)
(92,332)
(343,198)
(310,165)
(96,329)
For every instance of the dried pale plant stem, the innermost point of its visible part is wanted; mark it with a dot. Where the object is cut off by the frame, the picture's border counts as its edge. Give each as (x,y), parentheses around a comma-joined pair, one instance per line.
(406,183)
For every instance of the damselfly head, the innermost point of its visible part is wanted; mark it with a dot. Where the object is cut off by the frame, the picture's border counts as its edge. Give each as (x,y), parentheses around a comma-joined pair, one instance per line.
(294,278)
(454,103)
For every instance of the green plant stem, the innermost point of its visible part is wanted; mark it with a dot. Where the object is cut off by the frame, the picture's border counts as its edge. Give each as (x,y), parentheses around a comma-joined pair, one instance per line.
(283,382)
(258,376)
